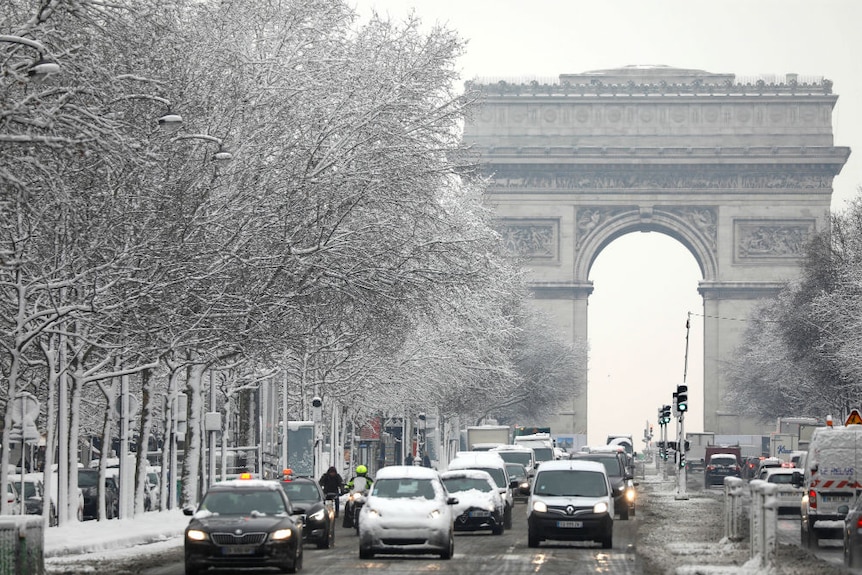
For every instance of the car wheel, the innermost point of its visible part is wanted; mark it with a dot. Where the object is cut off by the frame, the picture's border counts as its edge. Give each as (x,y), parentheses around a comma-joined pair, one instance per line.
(533,539)
(812,539)
(193,570)
(608,542)
(497,529)
(449,551)
(852,559)
(330,538)
(624,513)
(297,561)
(366,553)
(507,518)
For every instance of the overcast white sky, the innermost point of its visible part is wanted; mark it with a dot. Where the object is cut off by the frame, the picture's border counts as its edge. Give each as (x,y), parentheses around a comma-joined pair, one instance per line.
(645,284)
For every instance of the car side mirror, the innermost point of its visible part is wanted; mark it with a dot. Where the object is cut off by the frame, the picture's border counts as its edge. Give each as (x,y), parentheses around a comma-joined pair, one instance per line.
(188,511)
(514,483)
(796,480)
(452,500)
(843,510)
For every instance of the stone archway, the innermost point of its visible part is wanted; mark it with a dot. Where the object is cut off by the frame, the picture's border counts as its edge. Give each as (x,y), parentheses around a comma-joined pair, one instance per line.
(739,173)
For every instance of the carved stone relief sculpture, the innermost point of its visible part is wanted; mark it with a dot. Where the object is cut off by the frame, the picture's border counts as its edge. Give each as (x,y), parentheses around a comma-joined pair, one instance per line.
(533,239)
(771,239)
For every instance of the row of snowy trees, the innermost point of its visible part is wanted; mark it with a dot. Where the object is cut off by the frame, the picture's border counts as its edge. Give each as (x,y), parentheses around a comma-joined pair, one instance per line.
(344,246)
(802,351)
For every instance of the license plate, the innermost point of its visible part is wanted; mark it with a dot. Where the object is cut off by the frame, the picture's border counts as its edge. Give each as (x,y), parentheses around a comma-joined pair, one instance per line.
(237,550)
(834,498)
(570,524)
(479,514)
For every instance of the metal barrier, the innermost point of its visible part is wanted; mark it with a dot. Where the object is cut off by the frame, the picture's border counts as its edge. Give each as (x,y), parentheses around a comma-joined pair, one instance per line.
(21,545)
(764,522)
(733,491)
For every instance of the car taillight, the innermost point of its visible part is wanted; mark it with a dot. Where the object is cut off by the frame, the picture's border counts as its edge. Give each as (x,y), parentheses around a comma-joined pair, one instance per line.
(710,467)
(812,499)
(859,523)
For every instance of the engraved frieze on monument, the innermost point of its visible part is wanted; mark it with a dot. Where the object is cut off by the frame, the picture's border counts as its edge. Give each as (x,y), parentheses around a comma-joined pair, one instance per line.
(591,217)
(703,218)
(536,239)
(759,240)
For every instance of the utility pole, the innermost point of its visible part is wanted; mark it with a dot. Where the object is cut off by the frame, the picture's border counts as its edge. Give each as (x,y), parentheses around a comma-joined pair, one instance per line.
(681,407)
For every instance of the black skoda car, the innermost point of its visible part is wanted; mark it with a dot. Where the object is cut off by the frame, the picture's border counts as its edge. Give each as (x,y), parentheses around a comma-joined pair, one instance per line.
(318,515)
(243,523)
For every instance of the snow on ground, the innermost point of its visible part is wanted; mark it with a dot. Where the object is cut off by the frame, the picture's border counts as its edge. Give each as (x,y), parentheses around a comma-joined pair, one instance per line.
(686,537)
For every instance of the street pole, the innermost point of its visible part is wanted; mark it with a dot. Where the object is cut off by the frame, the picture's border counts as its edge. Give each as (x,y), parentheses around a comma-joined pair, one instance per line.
(681,486)
(284,422)
(124,447)
(664,452)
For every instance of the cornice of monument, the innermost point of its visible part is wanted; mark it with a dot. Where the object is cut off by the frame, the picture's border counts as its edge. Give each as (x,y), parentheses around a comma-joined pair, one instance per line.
(650,81)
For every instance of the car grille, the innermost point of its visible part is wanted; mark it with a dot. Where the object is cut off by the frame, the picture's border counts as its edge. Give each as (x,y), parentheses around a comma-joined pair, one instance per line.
(562,509)
(244,539)
(403,541)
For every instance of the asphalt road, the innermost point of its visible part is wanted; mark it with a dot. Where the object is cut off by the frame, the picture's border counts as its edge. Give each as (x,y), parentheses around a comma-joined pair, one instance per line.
(475,553)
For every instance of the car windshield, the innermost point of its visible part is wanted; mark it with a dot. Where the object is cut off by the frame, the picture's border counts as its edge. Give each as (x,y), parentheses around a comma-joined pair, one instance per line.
(300,491)
(515,471)
(543,453)
(224,502)
(404,488)
(611,463)
(571,483)
(784,478)
(458,484)
(88,479)
(522,457)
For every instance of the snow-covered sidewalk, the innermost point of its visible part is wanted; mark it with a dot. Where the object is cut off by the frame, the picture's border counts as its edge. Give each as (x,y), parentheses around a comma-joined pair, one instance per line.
(87,537)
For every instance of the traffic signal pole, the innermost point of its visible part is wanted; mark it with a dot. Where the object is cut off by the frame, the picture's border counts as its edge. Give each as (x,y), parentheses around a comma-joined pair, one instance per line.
(682,407)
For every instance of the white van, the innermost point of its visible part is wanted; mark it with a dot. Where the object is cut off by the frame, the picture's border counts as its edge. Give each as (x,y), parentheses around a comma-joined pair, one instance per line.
(496,467)
(571,501)
(830,478)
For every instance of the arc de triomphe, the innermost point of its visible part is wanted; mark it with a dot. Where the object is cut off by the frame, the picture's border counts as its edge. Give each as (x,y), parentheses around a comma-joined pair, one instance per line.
(739,173)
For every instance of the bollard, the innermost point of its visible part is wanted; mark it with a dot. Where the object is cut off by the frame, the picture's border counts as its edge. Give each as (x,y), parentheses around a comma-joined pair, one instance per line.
(764,522)
(21,545)
(733,488)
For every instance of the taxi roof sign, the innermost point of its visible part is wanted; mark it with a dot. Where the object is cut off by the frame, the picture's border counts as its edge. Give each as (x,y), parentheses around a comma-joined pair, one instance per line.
(855,418)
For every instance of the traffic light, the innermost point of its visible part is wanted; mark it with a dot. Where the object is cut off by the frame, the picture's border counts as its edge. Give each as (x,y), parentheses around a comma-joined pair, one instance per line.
(682,398)
(665,414)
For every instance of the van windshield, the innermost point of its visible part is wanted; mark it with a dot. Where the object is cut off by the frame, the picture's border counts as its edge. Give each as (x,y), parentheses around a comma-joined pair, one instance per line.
(525,458)
(543,453)
(571,483)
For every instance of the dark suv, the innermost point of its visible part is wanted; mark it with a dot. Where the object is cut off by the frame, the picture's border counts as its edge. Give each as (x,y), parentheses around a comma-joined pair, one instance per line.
(719,466)
(616,465)
(88,481)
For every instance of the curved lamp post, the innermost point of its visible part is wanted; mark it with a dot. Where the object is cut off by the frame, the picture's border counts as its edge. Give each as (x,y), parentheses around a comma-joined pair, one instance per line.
(41,67)
(169,122)
(221,155)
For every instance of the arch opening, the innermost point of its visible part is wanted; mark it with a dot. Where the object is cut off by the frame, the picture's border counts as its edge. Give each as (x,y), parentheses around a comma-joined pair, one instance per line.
(632,369)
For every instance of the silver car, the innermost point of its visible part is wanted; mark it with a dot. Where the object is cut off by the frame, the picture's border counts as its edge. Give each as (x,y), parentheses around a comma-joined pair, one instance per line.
(407,511)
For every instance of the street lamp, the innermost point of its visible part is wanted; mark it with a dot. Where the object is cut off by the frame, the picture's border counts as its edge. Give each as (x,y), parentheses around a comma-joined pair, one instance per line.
(169,121)
(41,67)
(221,155)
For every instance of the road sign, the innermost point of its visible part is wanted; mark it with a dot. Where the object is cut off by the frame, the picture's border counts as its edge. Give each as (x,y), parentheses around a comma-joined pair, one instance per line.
(24,408)
(855,418)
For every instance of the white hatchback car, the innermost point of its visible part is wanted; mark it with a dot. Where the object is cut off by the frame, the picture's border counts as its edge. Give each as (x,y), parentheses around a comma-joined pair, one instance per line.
(571,501)
(479,504)
(407,511)
(789,496)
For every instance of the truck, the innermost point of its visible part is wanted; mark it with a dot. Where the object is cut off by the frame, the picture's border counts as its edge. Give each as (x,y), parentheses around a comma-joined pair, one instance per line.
(485,437)
(541,443)
(696,442)
(830,478)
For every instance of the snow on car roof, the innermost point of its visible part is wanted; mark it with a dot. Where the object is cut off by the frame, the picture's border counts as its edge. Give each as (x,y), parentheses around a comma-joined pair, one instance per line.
(410,471)
(512,448)
(257,483)
(574,464)
(471,473)
(468,458)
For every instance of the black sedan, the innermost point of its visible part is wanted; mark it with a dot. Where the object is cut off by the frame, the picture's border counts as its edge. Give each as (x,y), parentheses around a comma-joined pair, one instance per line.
(243,523)
(88,481)
(852,534)
(308,500)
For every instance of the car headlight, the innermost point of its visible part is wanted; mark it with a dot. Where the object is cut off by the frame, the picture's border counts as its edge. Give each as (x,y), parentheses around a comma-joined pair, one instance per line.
(281,534)
(434,514)
(373,512)
(317,516)
(600,507)
(524,485)
(630,495)
(196,535)
(540,506)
